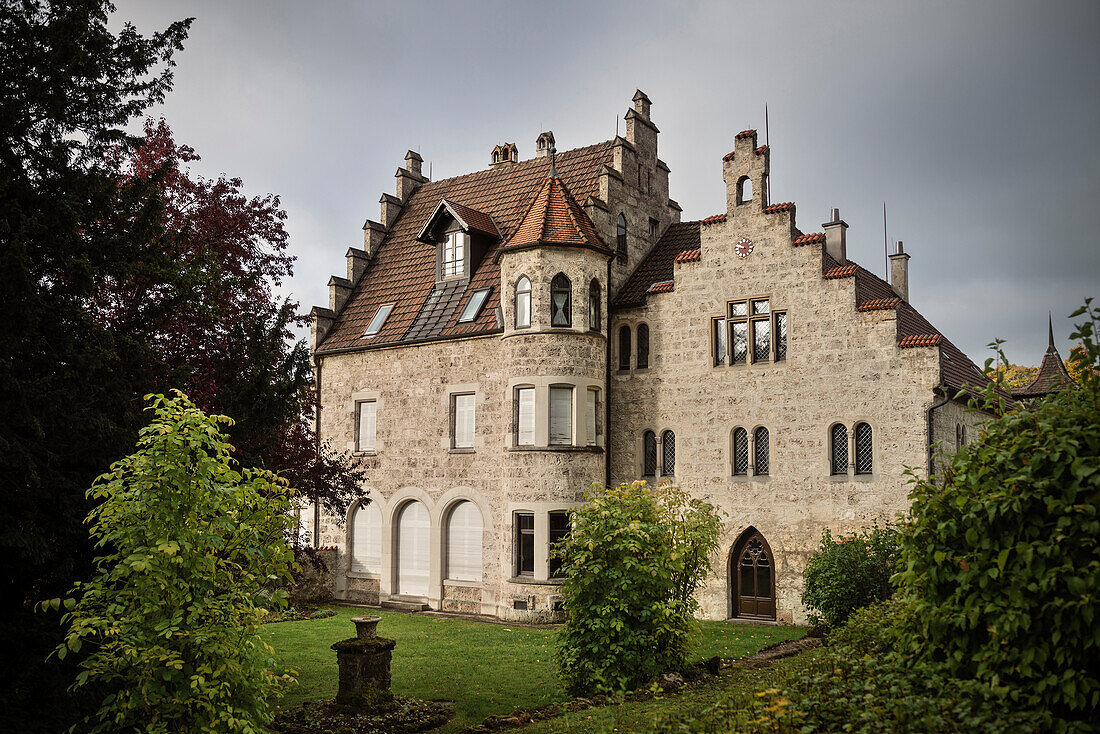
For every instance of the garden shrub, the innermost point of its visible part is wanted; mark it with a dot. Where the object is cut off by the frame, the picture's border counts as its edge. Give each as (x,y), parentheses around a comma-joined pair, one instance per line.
(632,562)
(170,620)
(859,682)
(850,572)
(1001,561)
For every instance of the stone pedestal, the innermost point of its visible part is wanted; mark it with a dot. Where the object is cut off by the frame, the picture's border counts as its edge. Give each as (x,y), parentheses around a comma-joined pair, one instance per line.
(364,667)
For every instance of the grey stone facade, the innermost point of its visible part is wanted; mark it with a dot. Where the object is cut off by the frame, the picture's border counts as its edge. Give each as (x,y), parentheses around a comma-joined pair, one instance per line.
(844,363)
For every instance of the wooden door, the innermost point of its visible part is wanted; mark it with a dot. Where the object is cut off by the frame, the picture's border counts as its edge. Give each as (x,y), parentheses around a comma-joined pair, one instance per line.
(754,569)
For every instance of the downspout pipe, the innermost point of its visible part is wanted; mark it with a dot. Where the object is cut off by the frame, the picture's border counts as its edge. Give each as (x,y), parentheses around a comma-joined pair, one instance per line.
(942,389)
(317,439)
(607,390)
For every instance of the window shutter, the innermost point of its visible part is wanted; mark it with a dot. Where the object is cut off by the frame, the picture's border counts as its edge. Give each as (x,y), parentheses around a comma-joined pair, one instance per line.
(561,416)
(366,538)
(590,418)
(367,425)
(464,421)
(526,418)
(464,543)
(413,548)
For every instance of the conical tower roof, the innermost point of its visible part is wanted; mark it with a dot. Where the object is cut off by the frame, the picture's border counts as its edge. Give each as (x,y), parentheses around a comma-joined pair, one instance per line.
(1052,375)
(555,218)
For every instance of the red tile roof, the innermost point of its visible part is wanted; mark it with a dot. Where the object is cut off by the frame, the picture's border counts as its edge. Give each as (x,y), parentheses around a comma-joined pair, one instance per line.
(761,150)
(878,304)
(714,219)
(781,207)
(841,271)
(555,218)
(659,265)
(478,220)
(746,133)
(920,340)
(689,256)
(402,271)
(728,156)
(665,286)
(809,239)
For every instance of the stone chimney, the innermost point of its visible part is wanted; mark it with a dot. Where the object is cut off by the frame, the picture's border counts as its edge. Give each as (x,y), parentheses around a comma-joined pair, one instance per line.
(543,144)
(641,104)
(409,177)
(640,130)
(899,272)
(836,237)
(504,155)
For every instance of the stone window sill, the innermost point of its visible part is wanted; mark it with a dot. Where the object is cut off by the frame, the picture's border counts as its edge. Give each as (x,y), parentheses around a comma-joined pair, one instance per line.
(364,453)
(750,478)
(364,575)
(563,449)
(462,451)
(531,581)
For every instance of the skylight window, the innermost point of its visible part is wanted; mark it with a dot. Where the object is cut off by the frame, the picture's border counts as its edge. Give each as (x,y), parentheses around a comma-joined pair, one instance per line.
(379,319)
(473,306)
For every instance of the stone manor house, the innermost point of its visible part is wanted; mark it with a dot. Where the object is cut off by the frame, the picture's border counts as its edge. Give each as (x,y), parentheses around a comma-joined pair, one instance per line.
(506,338)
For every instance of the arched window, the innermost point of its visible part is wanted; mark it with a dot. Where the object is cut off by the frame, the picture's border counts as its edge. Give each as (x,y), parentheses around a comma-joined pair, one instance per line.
(620,238)
(746,190)
(523,302)
(464,542)
(624,347)
(838,438)
(864,455)
(760,451)
(414,540)
(561,295)
(594,305)
(366,539)
(643,347)
(649,450)
(740,452)
(668,454)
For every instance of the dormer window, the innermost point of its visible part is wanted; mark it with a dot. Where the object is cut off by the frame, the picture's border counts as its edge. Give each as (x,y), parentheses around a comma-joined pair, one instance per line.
(453,264)
(379,319)
(473,306)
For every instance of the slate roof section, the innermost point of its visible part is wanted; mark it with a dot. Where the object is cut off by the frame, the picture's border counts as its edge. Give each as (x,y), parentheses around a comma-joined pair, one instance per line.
(436,311)
(659,264)
(555,218)
(1052,376)
(402,270)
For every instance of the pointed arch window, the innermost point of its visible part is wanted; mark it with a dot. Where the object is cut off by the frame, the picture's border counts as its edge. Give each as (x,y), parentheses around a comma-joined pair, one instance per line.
(594,305)
(561,295)
(838,438)
(620,238)
(643,347)
(649,450)
(760,451)
(624,347)
(864,446)
(668,454)
(523,302)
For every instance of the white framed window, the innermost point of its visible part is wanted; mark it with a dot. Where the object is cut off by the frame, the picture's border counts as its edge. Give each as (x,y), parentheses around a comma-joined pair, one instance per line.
(590,416)
(366,539)
(525,416)
(473,306)
(561,415)
(453,263)
(379,319)
(366,423)
(462,420)
(464,530)
(523,302)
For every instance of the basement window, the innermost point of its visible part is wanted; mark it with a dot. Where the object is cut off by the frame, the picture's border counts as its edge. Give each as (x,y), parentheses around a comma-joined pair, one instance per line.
(375,325)
(473,306)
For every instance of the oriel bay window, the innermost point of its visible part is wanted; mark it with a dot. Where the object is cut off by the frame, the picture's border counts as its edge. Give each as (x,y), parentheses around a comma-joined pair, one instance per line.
(751,332)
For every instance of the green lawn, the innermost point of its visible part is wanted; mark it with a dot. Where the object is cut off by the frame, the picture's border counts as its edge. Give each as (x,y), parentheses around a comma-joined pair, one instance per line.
(485,668)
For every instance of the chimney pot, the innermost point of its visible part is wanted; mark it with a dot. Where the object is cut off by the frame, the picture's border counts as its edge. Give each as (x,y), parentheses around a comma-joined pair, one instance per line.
(901,249)
(835,216)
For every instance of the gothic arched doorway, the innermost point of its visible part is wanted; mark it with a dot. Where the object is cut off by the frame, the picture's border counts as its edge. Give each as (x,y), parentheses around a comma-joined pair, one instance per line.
(752,577)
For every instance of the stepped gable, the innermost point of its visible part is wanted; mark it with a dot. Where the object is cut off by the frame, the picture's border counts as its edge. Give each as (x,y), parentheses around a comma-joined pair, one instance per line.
(1052,376)
(655,275)
(555,218)
(659,264)
(402,271)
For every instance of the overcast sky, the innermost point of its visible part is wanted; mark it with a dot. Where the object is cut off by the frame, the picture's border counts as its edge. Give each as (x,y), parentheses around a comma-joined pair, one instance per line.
(977,122)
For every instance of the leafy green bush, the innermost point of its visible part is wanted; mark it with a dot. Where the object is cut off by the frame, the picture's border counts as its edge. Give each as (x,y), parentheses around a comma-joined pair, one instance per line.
(860,683)
(1001,562)
(850,572)
(633,561)
(172,614)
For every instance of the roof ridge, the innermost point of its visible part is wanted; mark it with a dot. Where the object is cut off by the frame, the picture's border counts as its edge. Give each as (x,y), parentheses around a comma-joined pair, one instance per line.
(515,165)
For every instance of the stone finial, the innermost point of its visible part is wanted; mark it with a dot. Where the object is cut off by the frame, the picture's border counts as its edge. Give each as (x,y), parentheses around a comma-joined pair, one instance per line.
(391,208)
(641,104)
